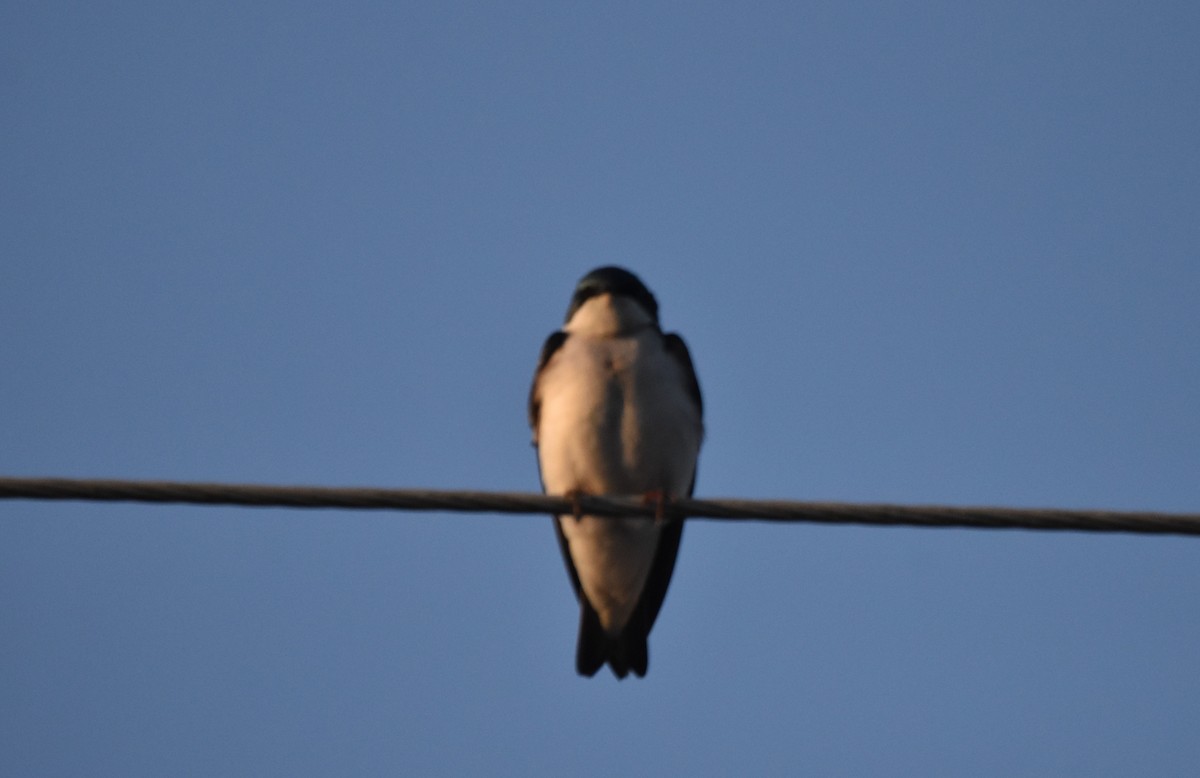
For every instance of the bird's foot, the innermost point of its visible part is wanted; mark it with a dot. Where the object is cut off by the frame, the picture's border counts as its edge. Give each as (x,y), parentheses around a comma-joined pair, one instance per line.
(576,509)
(660,500)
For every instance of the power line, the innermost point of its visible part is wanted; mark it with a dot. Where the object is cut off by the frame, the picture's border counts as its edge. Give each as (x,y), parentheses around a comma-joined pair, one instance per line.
(500,502)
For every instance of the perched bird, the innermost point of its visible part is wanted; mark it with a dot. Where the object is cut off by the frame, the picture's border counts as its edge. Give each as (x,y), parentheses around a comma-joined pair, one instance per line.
(615,409)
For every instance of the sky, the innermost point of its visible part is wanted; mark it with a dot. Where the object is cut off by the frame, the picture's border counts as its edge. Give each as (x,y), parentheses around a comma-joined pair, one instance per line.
(930,253)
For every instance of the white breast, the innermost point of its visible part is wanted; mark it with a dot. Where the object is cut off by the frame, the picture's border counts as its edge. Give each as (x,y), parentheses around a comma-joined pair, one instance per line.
(615,418)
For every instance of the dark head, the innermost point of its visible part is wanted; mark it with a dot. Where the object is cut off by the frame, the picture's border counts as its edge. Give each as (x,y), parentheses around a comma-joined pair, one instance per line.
(616,281)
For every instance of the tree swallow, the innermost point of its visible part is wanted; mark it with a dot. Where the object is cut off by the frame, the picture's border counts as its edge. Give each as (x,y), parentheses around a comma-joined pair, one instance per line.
(615,409)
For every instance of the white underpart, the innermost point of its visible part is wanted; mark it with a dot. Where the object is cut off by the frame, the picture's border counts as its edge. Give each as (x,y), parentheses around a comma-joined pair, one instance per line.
(616,418)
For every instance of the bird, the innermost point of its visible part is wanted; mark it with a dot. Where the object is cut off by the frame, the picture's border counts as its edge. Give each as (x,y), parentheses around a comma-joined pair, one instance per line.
(615,409)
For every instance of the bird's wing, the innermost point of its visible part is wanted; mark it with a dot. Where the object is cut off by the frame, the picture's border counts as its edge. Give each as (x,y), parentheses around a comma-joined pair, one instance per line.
(570,563)
(679,352)
(659,577)
(552,344)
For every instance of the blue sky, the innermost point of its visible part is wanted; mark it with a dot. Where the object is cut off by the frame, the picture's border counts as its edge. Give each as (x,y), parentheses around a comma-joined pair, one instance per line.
(932,253)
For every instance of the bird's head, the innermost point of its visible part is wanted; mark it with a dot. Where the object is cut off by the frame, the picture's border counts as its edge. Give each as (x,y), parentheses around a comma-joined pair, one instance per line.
(611,300)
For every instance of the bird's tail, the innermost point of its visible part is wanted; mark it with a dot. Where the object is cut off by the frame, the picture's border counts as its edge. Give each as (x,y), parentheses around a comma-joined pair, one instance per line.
(624,653)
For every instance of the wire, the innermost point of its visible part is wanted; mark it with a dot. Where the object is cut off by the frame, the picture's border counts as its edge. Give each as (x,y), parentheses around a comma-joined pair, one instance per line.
(500,502)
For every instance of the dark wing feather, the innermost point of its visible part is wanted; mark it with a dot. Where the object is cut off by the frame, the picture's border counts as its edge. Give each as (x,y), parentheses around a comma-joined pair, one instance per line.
(552,344)
(566,554)
(659,577)
(679,352)
(594,647)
